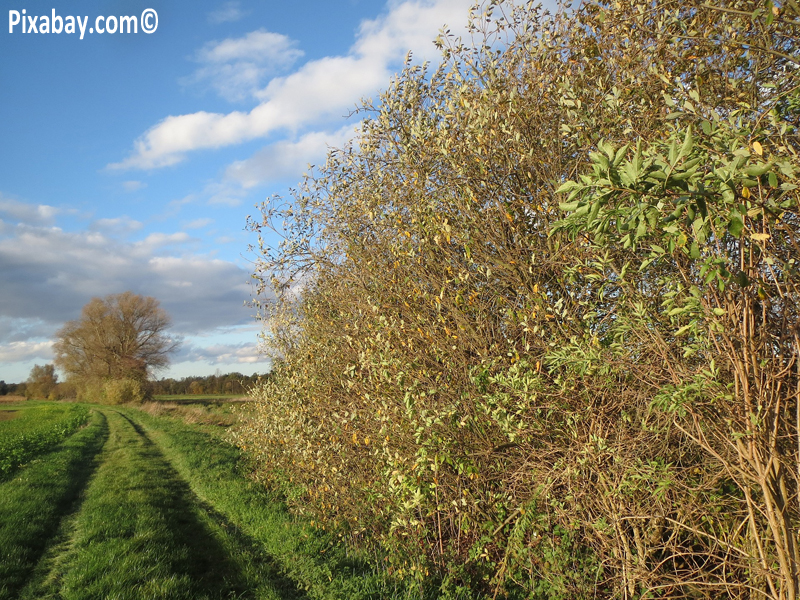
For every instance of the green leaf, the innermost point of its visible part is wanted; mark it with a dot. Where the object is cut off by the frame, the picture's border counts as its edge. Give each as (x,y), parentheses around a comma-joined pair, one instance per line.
(757,170)
(673,152)
(688,143)
(567,186)
(736,225)
(595,209)
(773,180)
(621,154)
(742,279)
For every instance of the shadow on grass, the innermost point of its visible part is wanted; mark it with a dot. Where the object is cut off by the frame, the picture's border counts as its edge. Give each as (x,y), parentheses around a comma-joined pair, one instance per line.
(39,496)
(268,567)
(259,520)
(143,533)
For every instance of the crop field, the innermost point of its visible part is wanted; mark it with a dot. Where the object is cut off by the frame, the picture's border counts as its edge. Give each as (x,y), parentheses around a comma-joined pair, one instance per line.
(28,429)
(116,502)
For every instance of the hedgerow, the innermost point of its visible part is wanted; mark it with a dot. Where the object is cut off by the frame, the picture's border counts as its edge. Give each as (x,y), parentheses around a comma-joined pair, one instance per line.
(538,323)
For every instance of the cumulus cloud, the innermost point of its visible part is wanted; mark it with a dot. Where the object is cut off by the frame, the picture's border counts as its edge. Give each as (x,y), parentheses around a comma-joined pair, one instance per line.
(21,212)
(227,13)
(14,352)
(21,330)
(237,67)
(242,353)
(330,86)
(118,225)
(40,264)
(286,159)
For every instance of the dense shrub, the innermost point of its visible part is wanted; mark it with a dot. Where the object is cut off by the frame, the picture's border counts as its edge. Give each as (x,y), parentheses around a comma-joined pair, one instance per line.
(124,391)
(114,391)
(538,323)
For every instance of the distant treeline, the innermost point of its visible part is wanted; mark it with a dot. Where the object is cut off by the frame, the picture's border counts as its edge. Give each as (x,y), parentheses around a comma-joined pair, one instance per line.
(232,383)
(11,389)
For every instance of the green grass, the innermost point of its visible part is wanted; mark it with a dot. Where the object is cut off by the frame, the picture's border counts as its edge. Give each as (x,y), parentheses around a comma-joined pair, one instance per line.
(36,426)
(139,533)
(33,503)
(136,505)
(301,553)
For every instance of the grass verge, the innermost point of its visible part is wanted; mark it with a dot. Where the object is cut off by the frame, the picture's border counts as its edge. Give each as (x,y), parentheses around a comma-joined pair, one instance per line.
(303,555)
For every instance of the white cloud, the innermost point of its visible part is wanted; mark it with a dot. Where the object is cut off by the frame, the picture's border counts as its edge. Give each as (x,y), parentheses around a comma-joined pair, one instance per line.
(237,67)
(22,212)
(327,87)
(224,194)
(25,351)
(118,225)
(40,264)
(410,25)
(198,223)
(133,186)
(227,13)
(286,159)
(221,353)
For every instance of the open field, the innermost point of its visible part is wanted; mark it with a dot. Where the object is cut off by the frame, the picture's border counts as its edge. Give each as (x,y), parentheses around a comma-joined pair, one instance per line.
(138,505)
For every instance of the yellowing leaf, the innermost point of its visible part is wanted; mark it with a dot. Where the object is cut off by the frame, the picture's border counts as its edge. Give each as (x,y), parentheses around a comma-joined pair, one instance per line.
(759,237)
(746,192)
(758,148)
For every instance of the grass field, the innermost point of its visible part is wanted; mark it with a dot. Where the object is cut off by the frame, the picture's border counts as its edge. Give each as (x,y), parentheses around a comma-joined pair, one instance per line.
(130,504)
(30,428)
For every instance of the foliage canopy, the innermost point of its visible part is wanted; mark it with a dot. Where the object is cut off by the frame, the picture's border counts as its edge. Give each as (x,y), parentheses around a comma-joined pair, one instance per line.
(115,344)
(539,322)
(41,381)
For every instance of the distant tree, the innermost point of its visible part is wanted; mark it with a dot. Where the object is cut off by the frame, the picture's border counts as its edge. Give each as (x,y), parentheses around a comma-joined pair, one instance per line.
(3,388)
(41,382)
(119,337)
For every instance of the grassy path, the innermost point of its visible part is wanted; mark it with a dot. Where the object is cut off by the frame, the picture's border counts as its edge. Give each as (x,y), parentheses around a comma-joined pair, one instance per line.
(140,507)
(139,533)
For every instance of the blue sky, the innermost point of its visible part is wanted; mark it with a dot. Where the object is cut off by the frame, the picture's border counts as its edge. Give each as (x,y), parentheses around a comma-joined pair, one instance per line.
(130,161)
